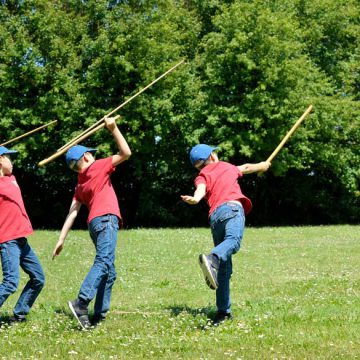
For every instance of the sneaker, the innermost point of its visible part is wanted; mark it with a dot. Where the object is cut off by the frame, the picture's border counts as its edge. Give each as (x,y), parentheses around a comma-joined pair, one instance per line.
(80,313)
(210,265)
(16,319)
(220,317)
(98,318)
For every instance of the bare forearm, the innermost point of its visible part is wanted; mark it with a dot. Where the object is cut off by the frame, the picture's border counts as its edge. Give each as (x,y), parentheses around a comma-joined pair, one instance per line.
(198,195)
(124,149)
(67,226)
(74,209)
(253,168)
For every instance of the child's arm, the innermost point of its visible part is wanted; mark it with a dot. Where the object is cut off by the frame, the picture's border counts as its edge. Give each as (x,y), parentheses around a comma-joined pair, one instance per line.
(251,168)
(198,195)
(74,210)
(124,150)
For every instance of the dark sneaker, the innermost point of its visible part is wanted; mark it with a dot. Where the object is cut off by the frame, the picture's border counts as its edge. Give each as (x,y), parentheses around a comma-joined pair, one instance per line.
(210,265)
(16,319)
(80,313)
(97,319)
(220,317)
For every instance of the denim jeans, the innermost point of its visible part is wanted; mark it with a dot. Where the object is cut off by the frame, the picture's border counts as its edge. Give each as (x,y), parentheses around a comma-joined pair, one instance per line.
(102,275)
(16,253)
(227,226)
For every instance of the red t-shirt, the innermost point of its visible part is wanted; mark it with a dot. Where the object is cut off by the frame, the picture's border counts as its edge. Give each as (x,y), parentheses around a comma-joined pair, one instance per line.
(14,221)
(94,189)
(221,180)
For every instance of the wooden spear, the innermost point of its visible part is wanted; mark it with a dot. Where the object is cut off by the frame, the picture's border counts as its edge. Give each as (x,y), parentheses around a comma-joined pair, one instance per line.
(100,124)
(290,132)
(28,133)
(116,109)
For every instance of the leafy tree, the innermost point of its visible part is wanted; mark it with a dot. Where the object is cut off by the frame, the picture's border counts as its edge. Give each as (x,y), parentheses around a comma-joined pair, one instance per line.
(252,68)
(260,68)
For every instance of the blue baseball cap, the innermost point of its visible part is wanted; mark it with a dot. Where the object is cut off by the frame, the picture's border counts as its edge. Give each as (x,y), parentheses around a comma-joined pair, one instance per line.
(200,152)
(75,153)
(4,151)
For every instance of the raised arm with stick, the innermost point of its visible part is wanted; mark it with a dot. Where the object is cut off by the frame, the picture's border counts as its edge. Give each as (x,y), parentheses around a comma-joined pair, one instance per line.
(100,124)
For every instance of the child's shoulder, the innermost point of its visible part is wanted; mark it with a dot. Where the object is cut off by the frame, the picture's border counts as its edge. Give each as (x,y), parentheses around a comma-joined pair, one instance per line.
(7,183)
(103,160)
(7,179)
(98,166)
(98,163)
(220,164)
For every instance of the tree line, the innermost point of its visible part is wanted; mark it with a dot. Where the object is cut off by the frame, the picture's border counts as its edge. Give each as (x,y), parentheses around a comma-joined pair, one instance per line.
(251,69)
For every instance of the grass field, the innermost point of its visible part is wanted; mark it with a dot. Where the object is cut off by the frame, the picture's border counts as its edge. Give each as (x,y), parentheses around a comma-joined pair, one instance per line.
(295,294)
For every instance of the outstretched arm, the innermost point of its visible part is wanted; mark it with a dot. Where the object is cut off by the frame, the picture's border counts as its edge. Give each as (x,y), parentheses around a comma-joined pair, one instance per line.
(124,149)
(74,210)
(198,195)
(252,168)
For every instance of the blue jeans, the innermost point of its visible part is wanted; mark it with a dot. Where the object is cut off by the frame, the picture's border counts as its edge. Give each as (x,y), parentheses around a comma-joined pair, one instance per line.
(102,275)
(16,253)
(227,226)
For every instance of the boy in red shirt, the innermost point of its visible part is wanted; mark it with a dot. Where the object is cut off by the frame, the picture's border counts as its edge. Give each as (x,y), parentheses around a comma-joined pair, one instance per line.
(14,248)
(94,189)
(217,182)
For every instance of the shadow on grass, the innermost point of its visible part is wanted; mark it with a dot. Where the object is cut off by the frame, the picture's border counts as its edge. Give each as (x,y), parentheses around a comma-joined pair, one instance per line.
(209,312)
(178,309)
(64,311)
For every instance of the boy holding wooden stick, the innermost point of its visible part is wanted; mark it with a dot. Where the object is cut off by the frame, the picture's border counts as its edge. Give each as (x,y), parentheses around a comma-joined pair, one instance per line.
(217,182)
(94,189)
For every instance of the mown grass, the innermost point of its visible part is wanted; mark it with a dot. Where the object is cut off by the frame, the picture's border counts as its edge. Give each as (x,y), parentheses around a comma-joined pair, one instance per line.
(295,294)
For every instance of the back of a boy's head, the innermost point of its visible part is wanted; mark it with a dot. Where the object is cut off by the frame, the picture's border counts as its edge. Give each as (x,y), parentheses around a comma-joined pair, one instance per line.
(75,153)
(200,153)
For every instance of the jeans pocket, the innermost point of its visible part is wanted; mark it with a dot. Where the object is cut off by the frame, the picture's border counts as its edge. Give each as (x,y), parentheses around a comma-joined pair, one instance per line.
(227,214)
(100,226)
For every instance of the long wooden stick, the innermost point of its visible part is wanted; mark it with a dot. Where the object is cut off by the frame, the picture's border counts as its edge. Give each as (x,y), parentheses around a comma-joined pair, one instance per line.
(81,138)
(120,106)
(100,124)
(28,133)
(290,132)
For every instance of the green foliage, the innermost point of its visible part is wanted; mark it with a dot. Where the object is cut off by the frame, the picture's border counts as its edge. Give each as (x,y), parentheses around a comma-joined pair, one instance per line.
(252,68)
(260,68)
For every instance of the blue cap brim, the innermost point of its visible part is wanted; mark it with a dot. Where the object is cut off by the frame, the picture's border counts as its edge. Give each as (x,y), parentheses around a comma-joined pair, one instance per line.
(5,151)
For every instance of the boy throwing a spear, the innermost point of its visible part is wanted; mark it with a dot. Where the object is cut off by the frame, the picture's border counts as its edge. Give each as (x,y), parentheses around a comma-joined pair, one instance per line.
(217,182)
(94,189)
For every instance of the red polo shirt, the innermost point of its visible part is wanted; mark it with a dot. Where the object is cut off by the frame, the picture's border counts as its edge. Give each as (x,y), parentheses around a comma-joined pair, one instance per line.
(14,221)
(94,189)
(221,180)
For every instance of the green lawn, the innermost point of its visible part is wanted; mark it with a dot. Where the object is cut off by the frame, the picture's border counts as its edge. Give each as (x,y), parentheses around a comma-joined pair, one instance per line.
(295,294)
